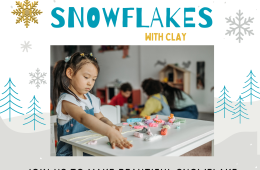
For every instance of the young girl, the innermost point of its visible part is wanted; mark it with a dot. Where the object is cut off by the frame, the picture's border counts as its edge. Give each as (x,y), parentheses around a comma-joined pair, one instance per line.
(77,109)
(123,96)
(157,103)
(180,103)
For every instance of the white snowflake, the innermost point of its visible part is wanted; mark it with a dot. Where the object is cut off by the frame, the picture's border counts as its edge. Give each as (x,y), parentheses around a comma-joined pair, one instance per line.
(37,78)
(240,26)
(25,46)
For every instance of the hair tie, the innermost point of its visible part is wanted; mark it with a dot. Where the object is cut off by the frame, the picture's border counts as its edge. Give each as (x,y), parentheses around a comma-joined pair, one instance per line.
(91,54)
(82,54)
(67,59)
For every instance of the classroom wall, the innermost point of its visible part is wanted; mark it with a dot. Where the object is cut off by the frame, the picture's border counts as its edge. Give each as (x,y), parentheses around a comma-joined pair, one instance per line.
(113,66)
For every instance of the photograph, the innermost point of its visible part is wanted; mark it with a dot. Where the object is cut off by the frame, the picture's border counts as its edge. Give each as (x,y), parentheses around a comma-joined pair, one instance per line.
(114,100)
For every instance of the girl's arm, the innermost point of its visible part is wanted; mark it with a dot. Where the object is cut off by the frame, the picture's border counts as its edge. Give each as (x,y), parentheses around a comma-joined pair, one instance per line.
(101,117)
(91,122)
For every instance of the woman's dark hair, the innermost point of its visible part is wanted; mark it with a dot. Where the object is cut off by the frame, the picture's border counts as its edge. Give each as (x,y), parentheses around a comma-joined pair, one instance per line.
(151,86)
(126,87)
(61,81)
(171,93)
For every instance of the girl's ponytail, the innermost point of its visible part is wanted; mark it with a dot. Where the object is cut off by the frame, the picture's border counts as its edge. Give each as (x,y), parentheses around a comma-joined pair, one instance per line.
(60,80)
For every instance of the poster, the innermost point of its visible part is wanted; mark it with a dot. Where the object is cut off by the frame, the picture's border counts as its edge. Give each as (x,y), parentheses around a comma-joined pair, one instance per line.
(223,34)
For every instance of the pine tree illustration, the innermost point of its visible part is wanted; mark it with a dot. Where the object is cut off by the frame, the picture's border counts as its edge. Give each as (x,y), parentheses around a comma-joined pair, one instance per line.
(240,111)
(10,83)
(34,113)
(251,89)
(225,95)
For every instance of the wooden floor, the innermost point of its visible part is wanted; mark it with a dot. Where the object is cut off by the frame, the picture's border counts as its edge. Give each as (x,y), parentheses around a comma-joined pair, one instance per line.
(204,150)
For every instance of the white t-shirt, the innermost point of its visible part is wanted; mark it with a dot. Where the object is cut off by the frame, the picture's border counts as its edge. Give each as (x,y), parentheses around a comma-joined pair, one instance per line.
(83,103)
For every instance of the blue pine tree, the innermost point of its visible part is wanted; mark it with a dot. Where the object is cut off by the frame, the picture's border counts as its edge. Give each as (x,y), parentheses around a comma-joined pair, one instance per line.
(10,89)
(225,95)
(250,89)
(34,113)
(240,111)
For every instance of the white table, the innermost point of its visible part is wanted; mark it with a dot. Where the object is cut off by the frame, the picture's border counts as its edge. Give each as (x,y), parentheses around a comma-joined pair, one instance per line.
(192,134)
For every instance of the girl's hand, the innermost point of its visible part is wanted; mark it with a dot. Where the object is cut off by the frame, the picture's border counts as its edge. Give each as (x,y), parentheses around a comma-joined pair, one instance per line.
(116,139)
(119,128)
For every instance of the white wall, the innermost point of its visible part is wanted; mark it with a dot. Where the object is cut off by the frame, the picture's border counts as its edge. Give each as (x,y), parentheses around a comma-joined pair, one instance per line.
(113,66)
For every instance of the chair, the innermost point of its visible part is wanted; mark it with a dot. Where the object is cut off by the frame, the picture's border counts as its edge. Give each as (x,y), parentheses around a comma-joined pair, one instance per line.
(112,113)
(52,137)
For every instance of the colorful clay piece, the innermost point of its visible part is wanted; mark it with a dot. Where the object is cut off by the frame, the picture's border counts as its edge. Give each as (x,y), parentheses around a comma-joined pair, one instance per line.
(148,122)
(159,121)
(152,138)
(134,120)
(178,127)
(180,120)
(155,119)
(164,131)
(153,125)
(139,127)
(167,127)
(147,117)
(144,130)
(125,123)
(167,123)
(137,134)
(171,120)
(171,116)
(93,142)
(138,123)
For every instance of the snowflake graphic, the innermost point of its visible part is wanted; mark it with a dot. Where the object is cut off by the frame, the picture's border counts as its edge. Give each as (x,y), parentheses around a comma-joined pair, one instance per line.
(37,78)
(240,26)
(26,12)
(25,46)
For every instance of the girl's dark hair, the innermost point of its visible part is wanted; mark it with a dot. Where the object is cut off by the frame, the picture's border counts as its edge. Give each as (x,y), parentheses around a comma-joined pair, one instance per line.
(61,81)
(170,93)
(151,86)
(126,87)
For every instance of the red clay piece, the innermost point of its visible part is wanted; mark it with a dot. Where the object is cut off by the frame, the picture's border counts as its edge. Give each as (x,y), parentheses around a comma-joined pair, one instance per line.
(164,131)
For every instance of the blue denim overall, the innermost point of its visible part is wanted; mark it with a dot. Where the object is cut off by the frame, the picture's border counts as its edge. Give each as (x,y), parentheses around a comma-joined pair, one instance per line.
(64,149)
(165,107)
(190,112)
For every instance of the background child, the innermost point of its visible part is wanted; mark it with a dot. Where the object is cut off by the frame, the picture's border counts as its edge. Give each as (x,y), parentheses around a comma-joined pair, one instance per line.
(157,103)
(123,97)
(77,109)
(180,103)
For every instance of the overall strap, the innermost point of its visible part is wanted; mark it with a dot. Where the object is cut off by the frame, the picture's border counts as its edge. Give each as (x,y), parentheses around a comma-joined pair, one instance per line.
(161,99)
(61,95)
(89,98)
